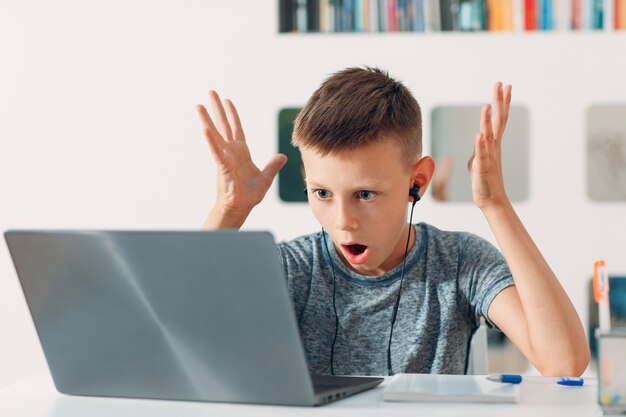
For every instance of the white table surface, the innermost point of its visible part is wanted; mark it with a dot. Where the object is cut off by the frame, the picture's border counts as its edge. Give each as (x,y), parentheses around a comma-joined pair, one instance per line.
(36,396)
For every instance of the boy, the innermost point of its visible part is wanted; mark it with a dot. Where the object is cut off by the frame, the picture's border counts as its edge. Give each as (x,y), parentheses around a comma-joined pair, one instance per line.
(373,294)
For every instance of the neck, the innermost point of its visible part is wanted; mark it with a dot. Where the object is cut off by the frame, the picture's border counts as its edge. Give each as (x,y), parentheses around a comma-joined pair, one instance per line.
(397,256)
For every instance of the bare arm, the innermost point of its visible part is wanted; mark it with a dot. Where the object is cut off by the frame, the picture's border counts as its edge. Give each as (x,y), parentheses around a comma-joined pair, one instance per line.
(241,185)
(536,314)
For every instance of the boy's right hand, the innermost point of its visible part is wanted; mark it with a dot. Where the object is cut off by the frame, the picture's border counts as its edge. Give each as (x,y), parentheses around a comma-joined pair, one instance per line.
(241,185)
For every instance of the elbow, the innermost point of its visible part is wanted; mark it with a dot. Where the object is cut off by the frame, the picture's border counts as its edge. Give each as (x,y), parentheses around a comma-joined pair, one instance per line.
(573,364)
(583,361)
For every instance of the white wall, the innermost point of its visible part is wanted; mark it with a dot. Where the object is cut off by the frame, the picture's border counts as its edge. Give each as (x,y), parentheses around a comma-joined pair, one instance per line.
(98,127)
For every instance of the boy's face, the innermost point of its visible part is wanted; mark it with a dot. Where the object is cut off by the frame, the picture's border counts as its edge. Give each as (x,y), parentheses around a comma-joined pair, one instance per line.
(360,198)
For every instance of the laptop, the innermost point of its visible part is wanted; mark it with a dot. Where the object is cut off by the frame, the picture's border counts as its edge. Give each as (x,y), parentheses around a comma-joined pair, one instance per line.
(176,315)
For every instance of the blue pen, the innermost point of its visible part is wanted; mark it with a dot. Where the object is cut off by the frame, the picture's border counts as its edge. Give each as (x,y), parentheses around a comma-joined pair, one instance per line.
(516,379)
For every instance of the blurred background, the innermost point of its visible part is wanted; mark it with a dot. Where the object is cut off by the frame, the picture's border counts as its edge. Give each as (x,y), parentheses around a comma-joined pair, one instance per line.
(98,127)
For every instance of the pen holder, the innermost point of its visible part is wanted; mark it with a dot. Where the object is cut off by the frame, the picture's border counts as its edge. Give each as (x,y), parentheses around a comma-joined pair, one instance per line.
(612,370)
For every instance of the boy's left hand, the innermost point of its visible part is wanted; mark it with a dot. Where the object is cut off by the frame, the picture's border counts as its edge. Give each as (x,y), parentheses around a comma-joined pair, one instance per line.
(485,164)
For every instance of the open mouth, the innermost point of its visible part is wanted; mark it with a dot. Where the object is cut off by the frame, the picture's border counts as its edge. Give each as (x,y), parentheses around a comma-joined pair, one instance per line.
(355,253)
(355,249)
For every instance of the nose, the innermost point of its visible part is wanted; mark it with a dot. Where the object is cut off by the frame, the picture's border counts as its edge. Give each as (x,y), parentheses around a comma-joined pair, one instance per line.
(346,217)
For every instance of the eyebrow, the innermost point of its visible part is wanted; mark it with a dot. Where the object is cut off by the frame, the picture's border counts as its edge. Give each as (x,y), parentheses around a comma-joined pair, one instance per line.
(364,186)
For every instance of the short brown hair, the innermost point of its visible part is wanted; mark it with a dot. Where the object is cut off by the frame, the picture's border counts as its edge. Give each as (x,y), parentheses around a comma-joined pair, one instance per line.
(357,106)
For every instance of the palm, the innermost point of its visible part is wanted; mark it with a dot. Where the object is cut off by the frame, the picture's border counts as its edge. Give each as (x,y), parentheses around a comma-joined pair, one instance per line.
(240,183)
(483,187)
(485,165)
(239,180)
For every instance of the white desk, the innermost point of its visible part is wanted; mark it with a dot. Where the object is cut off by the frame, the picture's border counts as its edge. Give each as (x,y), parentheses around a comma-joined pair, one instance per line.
(36,396)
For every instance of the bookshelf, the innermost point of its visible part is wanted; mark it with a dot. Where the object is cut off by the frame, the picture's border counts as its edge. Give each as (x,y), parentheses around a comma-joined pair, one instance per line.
(383,16)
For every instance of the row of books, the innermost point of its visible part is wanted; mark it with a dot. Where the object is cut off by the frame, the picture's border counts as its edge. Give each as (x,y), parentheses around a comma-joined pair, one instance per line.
(450,15)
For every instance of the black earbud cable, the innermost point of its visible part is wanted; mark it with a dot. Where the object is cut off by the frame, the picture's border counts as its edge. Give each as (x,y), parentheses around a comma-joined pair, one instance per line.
(395,307)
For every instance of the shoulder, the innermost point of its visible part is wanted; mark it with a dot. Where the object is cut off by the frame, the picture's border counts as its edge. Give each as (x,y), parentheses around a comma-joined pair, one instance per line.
(459,241)
(458,250)
(302,244)
(445,241)
(301,250)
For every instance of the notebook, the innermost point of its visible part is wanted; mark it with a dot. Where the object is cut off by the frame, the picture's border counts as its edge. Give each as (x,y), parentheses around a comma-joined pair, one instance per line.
(449,388)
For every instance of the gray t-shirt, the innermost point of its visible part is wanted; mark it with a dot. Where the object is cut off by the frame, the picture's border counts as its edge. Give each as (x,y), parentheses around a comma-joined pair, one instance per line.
(450,279)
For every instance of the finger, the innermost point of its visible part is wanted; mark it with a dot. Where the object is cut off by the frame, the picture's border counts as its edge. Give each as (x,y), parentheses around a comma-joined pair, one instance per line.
(470,162)
(235,123)
(498,110)
(274,165)
(214,140)
(507,101)
(220,115)
(485,122)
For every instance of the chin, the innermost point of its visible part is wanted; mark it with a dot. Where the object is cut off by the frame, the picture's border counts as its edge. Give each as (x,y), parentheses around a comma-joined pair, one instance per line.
(369,270)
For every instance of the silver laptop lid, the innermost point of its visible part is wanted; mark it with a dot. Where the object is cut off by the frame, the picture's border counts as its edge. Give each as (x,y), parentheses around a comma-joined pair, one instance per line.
(169,315)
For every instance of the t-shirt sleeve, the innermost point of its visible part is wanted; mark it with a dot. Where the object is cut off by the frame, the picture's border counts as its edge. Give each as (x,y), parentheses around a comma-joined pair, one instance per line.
(483,273)
(296,260)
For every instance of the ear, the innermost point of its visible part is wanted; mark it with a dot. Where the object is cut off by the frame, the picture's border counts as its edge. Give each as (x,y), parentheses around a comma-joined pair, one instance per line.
(421,174)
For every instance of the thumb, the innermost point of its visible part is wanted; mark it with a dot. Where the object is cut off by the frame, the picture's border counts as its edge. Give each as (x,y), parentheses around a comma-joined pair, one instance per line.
(470,162)
(274,165)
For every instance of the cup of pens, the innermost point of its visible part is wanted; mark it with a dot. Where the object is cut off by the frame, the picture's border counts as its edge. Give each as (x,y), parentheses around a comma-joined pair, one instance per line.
(611,348)
(612,369)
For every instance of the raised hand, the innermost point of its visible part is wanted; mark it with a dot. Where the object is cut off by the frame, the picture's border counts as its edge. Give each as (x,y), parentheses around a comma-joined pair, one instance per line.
(240,183)
(485,164)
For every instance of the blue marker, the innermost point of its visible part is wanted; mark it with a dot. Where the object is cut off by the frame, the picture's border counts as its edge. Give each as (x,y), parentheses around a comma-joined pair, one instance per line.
(516,379)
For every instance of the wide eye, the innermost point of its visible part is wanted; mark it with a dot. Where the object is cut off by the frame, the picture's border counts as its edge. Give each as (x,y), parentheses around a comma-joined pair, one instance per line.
(367,195)
(322,194)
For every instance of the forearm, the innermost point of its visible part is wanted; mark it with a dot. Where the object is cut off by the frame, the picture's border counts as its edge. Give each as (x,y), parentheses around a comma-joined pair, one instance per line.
(221,218)
(555,333)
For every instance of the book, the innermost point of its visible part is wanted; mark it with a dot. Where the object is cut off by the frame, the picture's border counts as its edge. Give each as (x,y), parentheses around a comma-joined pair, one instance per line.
(620,14)
(347,16)
(418,18)
(332,13)
(597,14)
(546,15)
(432,16)
(577,14)
(313,15)
(494,17)
(449,388)
(562,17)
(529,15)
(539,10)
(518,15)
(400,15)
(466,15)
(392,19)
(449,10)
(506,10)
(365,22)
(287,19)
(301,16)
(609,18)
(373,16)
(587,14)
(357,13)
(323,17)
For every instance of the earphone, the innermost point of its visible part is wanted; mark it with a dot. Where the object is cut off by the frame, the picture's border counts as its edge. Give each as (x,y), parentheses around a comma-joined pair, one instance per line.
(413,192)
